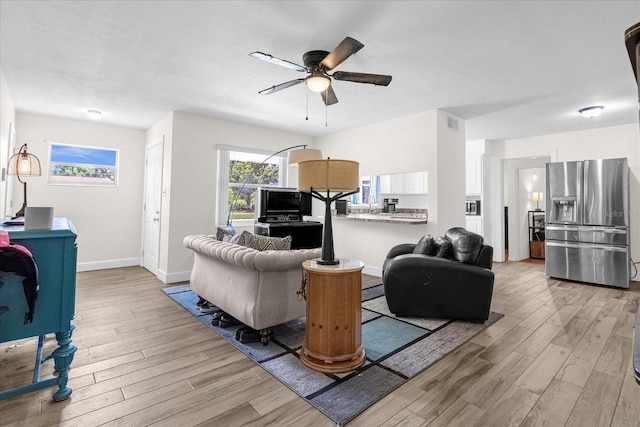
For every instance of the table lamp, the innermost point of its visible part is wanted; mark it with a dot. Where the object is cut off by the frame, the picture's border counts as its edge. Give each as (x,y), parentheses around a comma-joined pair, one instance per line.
(537,196)
(23,164)
(340,177)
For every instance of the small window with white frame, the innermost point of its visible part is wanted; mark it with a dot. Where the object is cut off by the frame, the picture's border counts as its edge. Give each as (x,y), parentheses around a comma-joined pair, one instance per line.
(83,165)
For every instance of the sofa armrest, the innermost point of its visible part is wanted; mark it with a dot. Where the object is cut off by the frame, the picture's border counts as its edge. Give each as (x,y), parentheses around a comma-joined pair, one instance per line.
(401,249)
(249,258)
(485,259)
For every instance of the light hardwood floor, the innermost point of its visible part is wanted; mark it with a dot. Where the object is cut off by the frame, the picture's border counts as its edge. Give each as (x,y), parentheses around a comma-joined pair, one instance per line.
(560,356)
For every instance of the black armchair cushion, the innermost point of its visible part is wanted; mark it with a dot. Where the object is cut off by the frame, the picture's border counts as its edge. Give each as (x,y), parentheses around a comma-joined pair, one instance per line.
(466,245)
(444,248)
(426,246)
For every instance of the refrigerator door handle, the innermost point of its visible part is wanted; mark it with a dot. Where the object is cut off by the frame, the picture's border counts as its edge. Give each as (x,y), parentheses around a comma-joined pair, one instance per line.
(587,246)
(615,231)
(563,227)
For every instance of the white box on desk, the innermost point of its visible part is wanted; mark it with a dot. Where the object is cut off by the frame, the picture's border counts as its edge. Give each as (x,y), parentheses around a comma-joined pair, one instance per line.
(38,218)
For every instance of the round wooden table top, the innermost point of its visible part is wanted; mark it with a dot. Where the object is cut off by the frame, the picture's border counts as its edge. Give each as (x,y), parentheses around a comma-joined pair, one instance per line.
(345,266)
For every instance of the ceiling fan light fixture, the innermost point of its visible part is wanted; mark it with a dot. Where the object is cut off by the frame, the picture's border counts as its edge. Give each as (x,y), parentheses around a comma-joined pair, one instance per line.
(591,112)
(317,82)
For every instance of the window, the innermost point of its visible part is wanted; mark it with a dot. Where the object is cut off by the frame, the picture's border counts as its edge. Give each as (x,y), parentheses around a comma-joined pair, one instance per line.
(80,165)
(369,191)
(240,172)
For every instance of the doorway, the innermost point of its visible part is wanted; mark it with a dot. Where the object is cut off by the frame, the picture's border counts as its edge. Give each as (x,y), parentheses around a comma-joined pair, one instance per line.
(531,181)
(518,185)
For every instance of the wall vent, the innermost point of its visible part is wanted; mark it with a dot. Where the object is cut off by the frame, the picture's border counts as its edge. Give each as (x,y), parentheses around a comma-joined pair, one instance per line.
(452,123)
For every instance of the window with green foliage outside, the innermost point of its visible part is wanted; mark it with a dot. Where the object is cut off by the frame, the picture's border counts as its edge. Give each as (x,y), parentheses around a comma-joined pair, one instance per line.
(247,172)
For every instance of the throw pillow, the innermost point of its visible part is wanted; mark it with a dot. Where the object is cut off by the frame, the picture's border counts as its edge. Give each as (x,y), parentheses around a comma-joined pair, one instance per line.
(244,239)
(444,248)
(228,230)
(466,244)
(426,246)
(264,243)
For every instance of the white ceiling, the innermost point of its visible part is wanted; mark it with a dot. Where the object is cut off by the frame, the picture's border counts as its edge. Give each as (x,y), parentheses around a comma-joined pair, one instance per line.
(509,68)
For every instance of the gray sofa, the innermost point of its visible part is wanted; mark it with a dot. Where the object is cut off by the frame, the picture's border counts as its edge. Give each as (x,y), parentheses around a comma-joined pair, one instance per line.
(258,288)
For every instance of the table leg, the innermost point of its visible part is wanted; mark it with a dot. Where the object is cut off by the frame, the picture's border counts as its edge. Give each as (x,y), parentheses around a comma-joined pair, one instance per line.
(63,356)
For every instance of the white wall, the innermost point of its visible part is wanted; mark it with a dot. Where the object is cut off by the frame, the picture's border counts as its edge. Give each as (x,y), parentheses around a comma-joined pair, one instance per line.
(7,120)
(601,143)
(107,219)
(420,142)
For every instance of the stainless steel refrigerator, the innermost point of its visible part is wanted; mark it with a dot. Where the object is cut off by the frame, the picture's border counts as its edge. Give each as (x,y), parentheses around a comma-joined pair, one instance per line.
(587,221)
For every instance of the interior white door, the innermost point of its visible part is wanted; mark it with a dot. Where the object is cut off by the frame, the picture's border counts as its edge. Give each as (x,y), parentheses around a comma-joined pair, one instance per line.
(152,208)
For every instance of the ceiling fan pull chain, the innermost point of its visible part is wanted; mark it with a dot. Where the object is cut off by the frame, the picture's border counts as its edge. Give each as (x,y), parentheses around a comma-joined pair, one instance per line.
(326,114)
(307,118)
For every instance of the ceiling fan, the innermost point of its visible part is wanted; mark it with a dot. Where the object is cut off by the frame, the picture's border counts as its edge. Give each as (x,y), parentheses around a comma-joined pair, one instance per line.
(317,63)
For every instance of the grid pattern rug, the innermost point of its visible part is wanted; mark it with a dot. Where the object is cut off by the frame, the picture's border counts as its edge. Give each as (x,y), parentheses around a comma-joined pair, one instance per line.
(396,349)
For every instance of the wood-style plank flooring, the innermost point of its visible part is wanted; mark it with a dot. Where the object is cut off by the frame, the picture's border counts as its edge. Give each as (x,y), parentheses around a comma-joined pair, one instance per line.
(561,356)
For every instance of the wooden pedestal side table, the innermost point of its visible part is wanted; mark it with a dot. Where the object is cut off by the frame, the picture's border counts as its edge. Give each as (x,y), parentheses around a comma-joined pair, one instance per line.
(333,336)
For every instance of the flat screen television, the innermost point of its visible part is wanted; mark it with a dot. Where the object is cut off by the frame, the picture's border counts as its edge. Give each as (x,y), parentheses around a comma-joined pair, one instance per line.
(282,205)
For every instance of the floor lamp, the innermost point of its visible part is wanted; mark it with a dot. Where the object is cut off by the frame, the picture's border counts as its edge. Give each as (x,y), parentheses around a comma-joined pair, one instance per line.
(294,157)
(23,164)
(341,177)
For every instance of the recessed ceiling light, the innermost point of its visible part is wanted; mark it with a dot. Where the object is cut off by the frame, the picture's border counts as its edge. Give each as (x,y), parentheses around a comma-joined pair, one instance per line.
(591,112)
(94,114)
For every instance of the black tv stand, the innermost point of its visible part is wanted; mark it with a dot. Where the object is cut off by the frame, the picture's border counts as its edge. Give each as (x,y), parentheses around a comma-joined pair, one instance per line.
(304,234)
(280,218)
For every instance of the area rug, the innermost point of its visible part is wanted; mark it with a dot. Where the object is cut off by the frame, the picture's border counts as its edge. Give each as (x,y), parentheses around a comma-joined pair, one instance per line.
(396,349)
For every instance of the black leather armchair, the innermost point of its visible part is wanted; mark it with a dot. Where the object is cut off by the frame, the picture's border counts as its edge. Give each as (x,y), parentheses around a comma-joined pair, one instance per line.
(449,277)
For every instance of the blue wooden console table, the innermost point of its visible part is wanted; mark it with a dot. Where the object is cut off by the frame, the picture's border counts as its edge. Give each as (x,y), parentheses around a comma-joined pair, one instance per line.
(55,253)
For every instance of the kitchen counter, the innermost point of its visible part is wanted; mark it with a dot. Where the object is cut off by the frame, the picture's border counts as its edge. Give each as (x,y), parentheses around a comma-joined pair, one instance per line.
(406,217)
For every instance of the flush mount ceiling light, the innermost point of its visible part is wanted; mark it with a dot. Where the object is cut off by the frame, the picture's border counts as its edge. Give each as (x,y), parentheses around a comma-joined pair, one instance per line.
(94,114)
(591,112)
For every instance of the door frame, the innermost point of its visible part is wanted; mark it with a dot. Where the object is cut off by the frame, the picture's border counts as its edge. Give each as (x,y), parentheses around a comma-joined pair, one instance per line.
(155,269)
(552,157)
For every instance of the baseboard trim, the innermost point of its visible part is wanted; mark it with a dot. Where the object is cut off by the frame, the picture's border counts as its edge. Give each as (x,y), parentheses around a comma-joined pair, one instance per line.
(182,276)
(104,265)
(374,271)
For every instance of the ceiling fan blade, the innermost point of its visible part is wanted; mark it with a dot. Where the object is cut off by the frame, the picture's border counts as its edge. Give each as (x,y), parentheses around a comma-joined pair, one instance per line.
(329,96)
(280,86)
(278,61)
(345,49)
(374,79)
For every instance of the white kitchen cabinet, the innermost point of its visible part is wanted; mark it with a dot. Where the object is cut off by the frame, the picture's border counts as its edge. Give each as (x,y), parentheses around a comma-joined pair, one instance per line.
(385,184)
(405,183)
(416,183)
(397,184)
(474,174)
(474,224)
